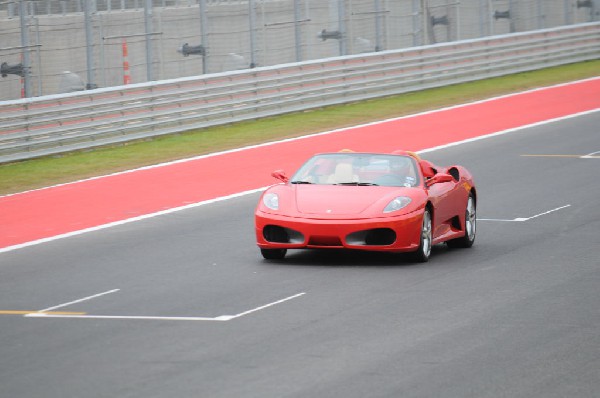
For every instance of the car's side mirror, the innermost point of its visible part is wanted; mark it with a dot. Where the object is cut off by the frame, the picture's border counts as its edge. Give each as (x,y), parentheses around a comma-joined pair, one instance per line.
(427,168)
(280,175)
(439,178)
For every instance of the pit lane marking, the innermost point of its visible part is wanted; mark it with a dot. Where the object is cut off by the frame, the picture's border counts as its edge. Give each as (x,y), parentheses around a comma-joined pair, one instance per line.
(221,318)
(523,219)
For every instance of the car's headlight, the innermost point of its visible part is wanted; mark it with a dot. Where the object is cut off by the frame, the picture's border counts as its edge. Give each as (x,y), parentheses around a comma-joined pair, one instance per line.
(397,204)
(271,200)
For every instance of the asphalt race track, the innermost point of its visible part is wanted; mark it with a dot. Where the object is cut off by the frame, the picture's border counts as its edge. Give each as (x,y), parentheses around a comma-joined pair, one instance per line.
(183,305)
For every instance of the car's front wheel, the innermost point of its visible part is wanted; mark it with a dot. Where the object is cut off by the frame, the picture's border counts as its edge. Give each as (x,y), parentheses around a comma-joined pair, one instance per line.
(424,251)
(273,254)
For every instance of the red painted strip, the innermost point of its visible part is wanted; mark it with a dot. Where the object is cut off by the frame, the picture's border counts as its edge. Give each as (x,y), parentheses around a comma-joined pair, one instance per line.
(58,210)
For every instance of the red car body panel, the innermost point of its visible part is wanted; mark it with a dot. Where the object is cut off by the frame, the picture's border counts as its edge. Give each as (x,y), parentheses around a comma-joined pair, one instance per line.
(310,215)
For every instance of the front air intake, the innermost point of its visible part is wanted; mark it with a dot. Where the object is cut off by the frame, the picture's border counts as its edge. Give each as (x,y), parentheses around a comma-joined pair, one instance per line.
(277,234)
(372,237)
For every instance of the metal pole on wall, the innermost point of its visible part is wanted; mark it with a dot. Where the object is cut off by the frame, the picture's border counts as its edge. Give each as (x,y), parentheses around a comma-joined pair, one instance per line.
(458,21)
(512,18)
(378,45)
(148,27)
(567,8)
(425,22)
(541,16)
(25,45)
(297,30)
(89,46)
(418,30)
(252,14)
(342,27)
(483,17)
(203,38)
(491,16)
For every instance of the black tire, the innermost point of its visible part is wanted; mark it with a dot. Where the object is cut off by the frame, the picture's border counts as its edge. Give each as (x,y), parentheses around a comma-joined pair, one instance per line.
(422,254)
(273,254)
(470,226)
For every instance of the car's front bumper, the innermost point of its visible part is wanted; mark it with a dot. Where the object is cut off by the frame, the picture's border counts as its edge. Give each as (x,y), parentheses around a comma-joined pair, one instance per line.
(400,233)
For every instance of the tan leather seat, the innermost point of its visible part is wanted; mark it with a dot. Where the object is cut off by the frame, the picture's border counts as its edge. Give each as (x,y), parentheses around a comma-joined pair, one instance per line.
(343,174)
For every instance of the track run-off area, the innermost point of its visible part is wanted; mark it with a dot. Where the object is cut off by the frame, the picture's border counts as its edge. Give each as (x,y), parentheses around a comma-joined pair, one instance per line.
(149,283)
(44,214)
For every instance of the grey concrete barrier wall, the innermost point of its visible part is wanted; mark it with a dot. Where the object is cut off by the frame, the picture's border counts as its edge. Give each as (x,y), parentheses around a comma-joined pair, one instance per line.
(66,45)
(33,127)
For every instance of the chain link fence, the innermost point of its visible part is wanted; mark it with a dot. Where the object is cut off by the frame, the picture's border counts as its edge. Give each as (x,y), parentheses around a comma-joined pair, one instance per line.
(57,46)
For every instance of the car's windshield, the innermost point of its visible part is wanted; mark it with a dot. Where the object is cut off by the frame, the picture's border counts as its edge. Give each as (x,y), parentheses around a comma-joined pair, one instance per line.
(358,169)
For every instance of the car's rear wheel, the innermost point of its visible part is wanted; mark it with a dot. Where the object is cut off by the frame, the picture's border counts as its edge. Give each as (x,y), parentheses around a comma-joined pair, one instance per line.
(470,225)
(273,254)
(424,251)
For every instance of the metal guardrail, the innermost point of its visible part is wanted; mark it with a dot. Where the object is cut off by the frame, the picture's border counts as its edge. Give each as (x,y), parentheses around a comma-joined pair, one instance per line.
(54,124)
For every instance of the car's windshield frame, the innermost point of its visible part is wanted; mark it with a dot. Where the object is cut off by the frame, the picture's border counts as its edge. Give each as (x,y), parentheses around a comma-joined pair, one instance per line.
(359,169)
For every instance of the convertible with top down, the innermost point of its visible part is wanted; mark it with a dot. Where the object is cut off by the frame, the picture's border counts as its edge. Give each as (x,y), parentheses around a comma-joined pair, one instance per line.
(394,202)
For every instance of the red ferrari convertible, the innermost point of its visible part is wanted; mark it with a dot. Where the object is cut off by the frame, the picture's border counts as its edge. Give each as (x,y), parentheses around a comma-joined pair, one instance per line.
(394,202)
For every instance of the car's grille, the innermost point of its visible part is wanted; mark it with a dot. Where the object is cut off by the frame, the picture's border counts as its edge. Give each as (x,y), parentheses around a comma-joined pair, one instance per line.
(325,241)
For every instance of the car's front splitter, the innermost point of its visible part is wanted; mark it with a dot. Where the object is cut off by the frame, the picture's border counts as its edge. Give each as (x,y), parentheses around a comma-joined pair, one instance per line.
(399,233)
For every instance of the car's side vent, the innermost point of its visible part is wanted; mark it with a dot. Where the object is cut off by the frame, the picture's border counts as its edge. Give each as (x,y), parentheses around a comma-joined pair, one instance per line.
(455,223)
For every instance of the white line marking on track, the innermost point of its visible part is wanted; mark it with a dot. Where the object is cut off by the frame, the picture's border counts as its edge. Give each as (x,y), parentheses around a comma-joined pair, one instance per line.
(496,219)
(126,221)
(593,155)
(132,317)
(547,212)
(503,132)
(266,306)
(78,301)
(222,318)
(523,219)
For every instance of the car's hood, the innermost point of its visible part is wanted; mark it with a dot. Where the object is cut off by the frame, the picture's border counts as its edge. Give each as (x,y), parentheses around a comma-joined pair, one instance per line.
(343,200)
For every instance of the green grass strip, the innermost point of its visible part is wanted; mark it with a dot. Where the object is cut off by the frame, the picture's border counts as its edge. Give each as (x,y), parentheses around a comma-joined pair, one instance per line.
(51,170)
